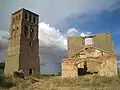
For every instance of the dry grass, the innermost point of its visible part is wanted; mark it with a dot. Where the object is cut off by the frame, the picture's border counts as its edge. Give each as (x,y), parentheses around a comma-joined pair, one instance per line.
(50,82)
(58,83)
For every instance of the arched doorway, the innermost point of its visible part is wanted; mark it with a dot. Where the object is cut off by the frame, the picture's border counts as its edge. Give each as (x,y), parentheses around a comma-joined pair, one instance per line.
(87,67)
(82,70)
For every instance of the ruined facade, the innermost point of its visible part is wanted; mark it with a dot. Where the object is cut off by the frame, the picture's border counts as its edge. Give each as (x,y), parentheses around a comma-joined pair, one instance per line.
(90,55)
(23,44)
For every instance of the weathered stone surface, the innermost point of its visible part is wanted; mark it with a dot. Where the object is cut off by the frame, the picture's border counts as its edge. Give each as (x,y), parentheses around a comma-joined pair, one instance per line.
(23,44)
(96,58)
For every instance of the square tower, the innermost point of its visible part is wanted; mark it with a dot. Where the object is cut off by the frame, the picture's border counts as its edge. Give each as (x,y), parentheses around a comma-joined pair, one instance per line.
(23,44)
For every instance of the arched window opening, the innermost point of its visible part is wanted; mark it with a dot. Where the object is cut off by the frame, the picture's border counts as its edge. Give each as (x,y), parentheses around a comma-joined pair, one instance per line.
(30,17)
(34,19)
(26,15)
(31,33)
(25,31)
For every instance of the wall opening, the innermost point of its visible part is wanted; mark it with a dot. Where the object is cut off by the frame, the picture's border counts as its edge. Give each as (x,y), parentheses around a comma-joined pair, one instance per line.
(82,71)
(31,33)
(86,70)
(30,17)
(25,31)
(26,15)
(88,41)
(30,71)
(34,19)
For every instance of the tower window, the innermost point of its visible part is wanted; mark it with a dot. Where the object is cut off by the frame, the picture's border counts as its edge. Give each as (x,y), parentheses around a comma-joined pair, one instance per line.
(25,31)
(34,19)
(26,15)
(30,17)
(31,33)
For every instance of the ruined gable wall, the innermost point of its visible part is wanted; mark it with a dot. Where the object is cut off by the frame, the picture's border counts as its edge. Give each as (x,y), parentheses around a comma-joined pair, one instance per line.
(104,41)
(75,44)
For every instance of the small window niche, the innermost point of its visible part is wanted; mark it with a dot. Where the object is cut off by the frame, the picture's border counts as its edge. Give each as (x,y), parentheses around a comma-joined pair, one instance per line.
(32,33)
(25,31)
(26,15)
(34,19)
(88,41)
(30,17)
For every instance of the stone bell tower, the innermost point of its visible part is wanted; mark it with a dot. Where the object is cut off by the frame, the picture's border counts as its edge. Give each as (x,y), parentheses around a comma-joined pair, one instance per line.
(23,44)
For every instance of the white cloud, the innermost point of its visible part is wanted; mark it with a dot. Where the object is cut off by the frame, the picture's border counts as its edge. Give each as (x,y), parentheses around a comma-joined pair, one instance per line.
(83,34)
(75,32)
(72,31)
(51,37)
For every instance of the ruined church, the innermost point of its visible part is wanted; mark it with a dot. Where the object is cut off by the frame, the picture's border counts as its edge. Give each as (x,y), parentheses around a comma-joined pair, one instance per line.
(90,55)
(23,44)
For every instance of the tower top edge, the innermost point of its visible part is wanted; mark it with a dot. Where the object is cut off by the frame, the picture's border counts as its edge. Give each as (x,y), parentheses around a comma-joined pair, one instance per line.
(23,10)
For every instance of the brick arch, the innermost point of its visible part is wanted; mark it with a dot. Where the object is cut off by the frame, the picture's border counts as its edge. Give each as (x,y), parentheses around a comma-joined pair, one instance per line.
(86,60)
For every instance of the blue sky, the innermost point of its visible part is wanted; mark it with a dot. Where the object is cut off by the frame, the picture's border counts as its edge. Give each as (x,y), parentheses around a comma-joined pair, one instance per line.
(107,21)
(57,18)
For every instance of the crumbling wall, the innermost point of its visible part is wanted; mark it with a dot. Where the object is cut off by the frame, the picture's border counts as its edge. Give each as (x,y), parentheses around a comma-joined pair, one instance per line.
(68,68)
(108,66)
(74,45)
(104,41)
(100,56)
(97,62)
